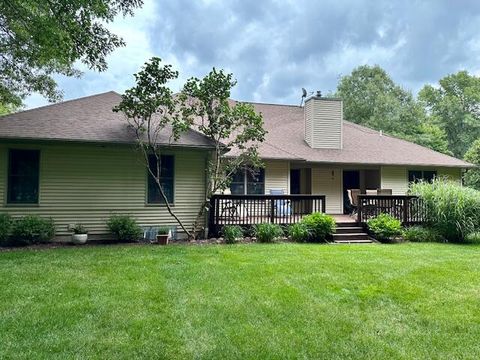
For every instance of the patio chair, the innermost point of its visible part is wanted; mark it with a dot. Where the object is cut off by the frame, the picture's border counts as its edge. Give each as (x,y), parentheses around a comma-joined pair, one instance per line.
(353,200)
(282,206)
(384,191)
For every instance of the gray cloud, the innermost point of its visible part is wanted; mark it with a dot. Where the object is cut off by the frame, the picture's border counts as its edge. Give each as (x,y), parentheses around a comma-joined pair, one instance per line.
(276,47)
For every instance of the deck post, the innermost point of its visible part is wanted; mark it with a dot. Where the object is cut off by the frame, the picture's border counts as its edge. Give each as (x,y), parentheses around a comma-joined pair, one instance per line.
(359,209)
(211,218)
(406,204)
(272,210)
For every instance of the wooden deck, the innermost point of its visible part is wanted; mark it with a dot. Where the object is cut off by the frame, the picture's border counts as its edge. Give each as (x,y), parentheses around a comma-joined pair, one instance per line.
(248,210)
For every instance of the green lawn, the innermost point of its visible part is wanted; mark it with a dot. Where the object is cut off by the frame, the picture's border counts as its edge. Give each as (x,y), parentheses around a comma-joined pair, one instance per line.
(242,301)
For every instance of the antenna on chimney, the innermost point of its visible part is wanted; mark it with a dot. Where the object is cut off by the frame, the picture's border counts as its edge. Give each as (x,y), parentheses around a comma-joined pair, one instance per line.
(304,95)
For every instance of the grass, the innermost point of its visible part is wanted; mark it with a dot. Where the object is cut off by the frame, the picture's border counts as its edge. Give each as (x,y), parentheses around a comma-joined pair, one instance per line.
(406,301)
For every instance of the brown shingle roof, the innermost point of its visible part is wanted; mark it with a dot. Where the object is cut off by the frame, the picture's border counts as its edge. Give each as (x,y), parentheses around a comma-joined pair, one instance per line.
(361,145)
(91,119)
(87,119)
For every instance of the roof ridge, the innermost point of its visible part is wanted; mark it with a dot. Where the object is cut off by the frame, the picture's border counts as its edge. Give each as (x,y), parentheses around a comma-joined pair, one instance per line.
(266,103)
(60,103)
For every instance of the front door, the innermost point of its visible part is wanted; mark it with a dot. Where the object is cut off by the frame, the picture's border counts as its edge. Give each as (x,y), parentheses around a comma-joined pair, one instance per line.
(295,178)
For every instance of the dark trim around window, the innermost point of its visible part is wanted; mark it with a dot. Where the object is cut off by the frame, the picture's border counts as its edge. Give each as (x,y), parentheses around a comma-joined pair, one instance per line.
(421,175)
(248,182)
(167,178)
(23,178)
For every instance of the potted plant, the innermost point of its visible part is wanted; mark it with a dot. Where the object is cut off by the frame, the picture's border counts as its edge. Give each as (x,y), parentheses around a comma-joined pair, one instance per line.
(163,234)
(80,234)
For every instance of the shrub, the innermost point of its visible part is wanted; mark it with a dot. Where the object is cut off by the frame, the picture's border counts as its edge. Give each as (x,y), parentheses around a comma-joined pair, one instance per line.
(450,208)
(5,228)
(267,233)
(232,233)
(299,232)
(473,238)
(124,227)
(384,227)
(319,225)
(32,229)
(421,234)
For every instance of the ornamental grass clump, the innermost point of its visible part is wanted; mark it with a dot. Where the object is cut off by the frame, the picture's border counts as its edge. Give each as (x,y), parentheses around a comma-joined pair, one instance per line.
(232,234)
(473,238)
(421,234)
(299,232)
(267,233)
(451,209)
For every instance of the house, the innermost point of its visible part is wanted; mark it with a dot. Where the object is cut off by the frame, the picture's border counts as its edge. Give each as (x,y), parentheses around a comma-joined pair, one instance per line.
(74,161)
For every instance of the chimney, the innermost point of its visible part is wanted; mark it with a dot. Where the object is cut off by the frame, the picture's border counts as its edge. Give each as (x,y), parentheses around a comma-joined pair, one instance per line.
(323,122)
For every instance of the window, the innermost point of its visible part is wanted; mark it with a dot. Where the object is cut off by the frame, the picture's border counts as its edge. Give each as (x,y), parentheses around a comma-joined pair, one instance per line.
(248,182)
(166,179)
(418,175)
(237,186)
(23,176)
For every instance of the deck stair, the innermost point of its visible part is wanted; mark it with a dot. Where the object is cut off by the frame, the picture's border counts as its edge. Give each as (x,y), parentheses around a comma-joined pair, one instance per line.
(351,233)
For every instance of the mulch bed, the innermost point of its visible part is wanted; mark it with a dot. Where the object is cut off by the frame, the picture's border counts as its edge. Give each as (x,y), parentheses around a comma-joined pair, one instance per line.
(55,245)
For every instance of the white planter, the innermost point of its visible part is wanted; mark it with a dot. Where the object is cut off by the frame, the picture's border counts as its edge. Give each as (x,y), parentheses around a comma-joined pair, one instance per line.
(79,238)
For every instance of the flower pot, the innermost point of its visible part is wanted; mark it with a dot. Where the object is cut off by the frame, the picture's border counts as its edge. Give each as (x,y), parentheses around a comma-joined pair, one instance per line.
(79,238)
(162,239)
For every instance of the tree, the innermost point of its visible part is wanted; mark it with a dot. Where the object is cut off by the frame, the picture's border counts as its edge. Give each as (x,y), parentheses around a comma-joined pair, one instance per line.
(455,107)
(39,38)
(431,136)
(372,98)
(152,110)
(472,176)
(7,109)
(230,127)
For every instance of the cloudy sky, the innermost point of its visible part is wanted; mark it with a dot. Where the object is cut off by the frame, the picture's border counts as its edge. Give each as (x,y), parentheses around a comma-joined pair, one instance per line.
(274,48)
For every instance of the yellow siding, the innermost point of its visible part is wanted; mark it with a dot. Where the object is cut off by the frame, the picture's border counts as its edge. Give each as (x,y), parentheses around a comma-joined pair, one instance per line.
(308,116)
(453,174)
(394,178)
(323,118)
(328,182)
(87,183)
(277,175)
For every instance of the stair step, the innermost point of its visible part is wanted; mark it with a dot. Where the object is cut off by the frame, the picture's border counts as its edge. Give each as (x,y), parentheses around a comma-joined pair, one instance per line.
(349,230)
(351,236)
(368,241)
(347,224)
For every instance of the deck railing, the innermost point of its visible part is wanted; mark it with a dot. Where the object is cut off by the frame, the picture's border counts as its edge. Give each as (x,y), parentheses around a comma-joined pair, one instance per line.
(406,208)
(248,210)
